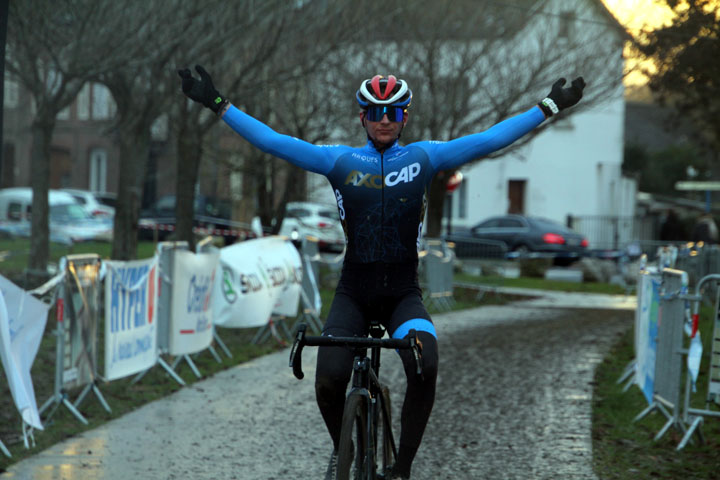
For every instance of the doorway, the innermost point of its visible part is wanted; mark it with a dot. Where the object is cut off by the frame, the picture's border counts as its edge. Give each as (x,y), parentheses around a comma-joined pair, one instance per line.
(516,196)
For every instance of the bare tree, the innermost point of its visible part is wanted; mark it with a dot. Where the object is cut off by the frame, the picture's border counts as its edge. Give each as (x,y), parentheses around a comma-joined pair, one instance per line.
(254,30)
(291,90)
(143,90)
(54,47)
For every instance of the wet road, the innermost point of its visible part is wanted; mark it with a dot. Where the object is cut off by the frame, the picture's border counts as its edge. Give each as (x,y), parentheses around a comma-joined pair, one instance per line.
(514,402)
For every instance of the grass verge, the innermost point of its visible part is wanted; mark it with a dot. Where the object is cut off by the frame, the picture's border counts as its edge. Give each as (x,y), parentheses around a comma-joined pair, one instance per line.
(623,449)
(541,284)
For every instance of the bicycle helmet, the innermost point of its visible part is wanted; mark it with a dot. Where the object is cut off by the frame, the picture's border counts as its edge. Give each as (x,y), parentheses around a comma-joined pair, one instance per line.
(379,90)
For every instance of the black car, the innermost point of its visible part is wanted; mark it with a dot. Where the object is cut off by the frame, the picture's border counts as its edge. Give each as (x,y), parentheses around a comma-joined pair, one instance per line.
(158,221)
(500,235)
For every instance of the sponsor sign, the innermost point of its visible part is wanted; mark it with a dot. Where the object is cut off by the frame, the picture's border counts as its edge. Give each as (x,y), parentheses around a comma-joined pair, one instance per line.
(131,297)
(191,315)
(22,323)
(257,278)
(647,332)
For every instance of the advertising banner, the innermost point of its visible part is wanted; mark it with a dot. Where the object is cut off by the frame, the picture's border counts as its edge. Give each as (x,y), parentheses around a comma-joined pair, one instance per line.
(22,323)
(131,297)
(257,278)
(647,332)
(191,314)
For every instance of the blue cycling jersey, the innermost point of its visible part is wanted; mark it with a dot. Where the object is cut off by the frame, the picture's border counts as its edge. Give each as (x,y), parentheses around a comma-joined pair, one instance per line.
(381,196)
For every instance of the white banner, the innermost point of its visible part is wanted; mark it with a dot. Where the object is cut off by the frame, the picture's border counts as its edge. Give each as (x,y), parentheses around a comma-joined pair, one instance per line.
(259,277)
(22,323)
(191,315)
(131,298)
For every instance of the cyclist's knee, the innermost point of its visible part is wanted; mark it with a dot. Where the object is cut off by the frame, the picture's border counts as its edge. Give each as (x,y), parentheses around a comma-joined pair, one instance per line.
(429,354)
(429,359)
(334,367)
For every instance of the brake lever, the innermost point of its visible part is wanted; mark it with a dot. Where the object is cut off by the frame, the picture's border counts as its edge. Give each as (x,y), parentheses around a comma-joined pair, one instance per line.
(296,352)
(416,346)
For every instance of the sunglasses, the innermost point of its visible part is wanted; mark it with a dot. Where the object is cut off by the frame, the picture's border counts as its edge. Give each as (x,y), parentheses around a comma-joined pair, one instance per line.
(375,113)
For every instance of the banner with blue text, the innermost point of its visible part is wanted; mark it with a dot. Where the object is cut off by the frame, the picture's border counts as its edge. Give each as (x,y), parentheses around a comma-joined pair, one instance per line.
(131,297)
(191,315)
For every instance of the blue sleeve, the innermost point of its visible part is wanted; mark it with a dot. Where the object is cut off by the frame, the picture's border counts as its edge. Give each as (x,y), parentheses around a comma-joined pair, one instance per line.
(317,159)
(452,154)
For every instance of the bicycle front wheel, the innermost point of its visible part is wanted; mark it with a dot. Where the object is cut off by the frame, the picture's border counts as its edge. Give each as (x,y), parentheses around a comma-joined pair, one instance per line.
(353,448)
(386,442)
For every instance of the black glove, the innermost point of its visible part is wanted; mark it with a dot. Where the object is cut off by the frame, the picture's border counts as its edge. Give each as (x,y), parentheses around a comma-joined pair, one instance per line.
(203,90)
(561,98)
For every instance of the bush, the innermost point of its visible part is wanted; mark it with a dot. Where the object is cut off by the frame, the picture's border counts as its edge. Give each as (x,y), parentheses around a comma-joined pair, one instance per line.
(534,267)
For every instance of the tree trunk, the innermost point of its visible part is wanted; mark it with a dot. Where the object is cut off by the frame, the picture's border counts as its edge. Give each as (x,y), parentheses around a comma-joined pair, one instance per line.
(42,129)
(189,157)
(133,162)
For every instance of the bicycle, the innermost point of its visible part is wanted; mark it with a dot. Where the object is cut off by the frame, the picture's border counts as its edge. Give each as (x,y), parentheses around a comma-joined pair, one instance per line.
(367,405)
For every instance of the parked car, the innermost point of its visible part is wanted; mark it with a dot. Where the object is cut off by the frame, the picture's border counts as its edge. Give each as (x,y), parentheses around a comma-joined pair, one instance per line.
(521,234)
(314,220)
(68,220)
(158,221)
(97,204)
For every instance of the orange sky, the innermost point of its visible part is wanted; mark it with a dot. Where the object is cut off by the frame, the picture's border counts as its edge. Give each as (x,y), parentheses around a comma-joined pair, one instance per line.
(639,14)
(636,16)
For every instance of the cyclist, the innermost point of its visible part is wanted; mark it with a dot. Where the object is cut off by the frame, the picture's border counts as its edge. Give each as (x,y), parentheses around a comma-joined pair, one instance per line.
(380,190)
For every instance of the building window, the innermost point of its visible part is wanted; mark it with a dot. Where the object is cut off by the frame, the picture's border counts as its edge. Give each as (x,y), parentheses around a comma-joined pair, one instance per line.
(98,170)
(103,105)
(567,20)
(83,103)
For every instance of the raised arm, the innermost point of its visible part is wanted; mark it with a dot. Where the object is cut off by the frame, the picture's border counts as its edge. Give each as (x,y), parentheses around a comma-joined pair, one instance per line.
(457,152)
(298,152)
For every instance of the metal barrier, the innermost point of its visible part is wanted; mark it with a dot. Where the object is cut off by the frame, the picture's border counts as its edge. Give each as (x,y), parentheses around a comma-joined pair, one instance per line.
(77,323)
(669,353)
(311,303)
(437,263)
(661,322)
(614,231)
(698,260)
(166,250)
(694,417)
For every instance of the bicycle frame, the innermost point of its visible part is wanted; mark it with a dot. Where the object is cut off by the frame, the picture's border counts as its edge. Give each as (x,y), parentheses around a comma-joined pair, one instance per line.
(365,382)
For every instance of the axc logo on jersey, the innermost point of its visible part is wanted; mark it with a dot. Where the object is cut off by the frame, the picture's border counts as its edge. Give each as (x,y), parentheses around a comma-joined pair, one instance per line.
(404,175)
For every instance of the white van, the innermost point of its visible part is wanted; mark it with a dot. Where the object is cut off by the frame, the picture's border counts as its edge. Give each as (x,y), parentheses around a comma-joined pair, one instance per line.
(69,222)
